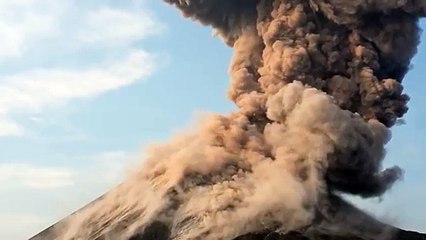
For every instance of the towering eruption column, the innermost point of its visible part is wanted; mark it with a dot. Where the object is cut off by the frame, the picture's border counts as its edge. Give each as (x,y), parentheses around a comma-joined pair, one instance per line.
(318,84)
(355,51)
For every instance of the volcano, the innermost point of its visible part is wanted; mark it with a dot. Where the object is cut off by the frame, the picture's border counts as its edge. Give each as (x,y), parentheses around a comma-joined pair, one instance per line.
(318,86)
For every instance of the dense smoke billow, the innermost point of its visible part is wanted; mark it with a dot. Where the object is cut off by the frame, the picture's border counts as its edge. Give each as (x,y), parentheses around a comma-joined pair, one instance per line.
(318,85)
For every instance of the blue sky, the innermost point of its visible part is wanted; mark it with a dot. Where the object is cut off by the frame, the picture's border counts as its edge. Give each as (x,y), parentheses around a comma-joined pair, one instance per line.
(84,87)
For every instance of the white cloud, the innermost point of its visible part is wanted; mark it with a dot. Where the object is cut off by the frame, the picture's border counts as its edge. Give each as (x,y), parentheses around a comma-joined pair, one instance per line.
(25,21)
(107,26)
(33,24)
(34,177)
(34,90)
(10,128)
(52,31)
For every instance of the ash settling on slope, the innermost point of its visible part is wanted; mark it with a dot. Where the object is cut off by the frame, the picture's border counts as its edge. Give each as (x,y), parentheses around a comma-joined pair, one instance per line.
(318,84)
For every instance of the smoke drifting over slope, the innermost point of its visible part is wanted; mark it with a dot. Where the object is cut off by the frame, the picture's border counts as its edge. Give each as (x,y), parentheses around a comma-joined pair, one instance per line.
(317,84)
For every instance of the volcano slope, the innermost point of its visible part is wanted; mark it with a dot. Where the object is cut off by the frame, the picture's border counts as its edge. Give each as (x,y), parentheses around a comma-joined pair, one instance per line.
(335,229)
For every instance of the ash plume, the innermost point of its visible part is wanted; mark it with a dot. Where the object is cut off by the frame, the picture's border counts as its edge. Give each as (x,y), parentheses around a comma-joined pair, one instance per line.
(318,85)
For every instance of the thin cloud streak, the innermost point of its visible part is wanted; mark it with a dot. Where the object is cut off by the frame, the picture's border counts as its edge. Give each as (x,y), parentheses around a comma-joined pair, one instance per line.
(36,90)
(34,177)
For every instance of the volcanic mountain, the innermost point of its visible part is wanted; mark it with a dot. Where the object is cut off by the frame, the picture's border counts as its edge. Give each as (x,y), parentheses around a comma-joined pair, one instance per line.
(318,85)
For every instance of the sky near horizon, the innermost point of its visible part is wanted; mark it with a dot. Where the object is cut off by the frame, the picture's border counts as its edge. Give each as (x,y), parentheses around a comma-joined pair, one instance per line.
(86,85)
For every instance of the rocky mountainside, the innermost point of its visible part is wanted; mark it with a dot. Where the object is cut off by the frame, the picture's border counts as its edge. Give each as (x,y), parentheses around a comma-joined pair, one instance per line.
(334,226)
(401,235)
(160,232)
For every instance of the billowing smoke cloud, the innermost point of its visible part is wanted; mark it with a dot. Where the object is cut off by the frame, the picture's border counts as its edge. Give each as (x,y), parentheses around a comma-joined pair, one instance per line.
(317,84)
